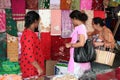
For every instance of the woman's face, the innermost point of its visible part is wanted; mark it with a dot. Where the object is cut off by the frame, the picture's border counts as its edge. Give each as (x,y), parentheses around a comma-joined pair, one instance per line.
(95,26)
(37,23)
(74,21)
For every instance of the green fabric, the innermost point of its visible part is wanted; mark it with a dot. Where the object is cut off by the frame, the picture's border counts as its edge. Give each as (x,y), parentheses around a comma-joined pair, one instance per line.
(75,5)
(11,27)
(44,4)
(3,46)
(113,3)
(8,13)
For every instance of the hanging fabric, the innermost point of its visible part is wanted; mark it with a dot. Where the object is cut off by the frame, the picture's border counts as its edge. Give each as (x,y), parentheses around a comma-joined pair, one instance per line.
(85,4)
(55,22)
(100,14)
(46,45)
(66,24)
(97,5)
(19,45)
(3,46)
(31,4)
(20,26)
(5,4)
(18,9)
(113,3)
(2,20)
(75,5)
(12,48)
(54,4)
(90,14)
(8,13)
(45,22)
(65,4)
(44,4)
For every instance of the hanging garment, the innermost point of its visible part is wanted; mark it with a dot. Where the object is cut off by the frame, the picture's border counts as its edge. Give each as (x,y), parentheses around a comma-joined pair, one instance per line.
(65,4)
(46,45)
(5,4)
(54,4)
(32,4)
(66,24)
(75,5)
(85,4)
(18,9)
(97,5)
(12,48)
(2,20)
(44,4)
(20,26)
(8,13)
(55,22)
(88,23)
(100,14)
(19,45)
(3,46)
(113,3)
(11,27)
(45,20)
(58,49)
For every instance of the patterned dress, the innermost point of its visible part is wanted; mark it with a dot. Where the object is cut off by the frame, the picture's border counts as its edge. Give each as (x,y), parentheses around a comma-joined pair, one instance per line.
(30,51)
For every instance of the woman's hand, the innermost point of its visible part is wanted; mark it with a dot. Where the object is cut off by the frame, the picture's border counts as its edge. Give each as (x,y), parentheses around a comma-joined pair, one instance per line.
(68,45)
(97,44)
(40,71)
(107,45)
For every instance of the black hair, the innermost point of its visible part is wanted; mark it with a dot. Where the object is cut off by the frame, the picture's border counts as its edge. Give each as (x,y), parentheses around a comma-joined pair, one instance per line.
(98,20)
(30,18)
(76,14)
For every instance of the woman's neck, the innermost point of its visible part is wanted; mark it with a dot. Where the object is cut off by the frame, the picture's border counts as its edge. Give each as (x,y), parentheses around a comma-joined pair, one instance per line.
(30,28)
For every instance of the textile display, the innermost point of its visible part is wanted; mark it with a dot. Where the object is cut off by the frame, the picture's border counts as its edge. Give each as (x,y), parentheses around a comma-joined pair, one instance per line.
(31,4)
(75,5)
(11,27)
(11,77)
(12,48)
(2,20)
(85,4)
(65,4)
(20,26)
(55,22)
(97,5)
(113,3)
(46,45)
(98,13)
(19,45)
(8,13)
(88,23)
(117,73)
(58,49)
(3,46)
(54,4)
(44,4)
(5,4)
(45,22)
(67,27)
(104,57)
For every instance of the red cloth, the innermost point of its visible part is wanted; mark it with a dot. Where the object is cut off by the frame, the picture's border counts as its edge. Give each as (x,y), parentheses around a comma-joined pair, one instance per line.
(117,72)
(30,51)
(18,9)
(100,14)
(32,4)
(46,45)
(58,49)
(97,5)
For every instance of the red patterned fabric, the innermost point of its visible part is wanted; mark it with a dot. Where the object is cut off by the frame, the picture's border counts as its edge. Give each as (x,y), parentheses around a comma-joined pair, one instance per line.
(97,5)
(117,72)
(58,49)
(46,45)
(30,51)
(100,14)
(32,4)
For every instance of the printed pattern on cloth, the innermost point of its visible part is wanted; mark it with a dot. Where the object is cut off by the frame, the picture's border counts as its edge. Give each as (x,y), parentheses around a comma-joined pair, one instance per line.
(90,14)
(66,24)
(97,5)
(54,4)
(113,3)
(20,26)
(19,45)
(12,48)
(65,4)
(75,5)
(18,9)
(98,13)
(2,20)
(45,45)
(55,22)
(85,4)
(45,20)
(44,4)
(58,49)
(5,4)
(3,46)
(8,13)
(32,4)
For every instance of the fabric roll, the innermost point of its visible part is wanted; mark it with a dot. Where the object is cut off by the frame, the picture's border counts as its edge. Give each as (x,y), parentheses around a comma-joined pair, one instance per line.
(66,24)
(98,13)
(85,4)
(75,5)
(44,4)
(5,4)
(65,4)
(54,4)
(55,22)
(18,9)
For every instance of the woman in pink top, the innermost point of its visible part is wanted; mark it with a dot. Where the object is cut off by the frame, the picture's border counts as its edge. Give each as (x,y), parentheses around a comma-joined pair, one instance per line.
(79,33)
